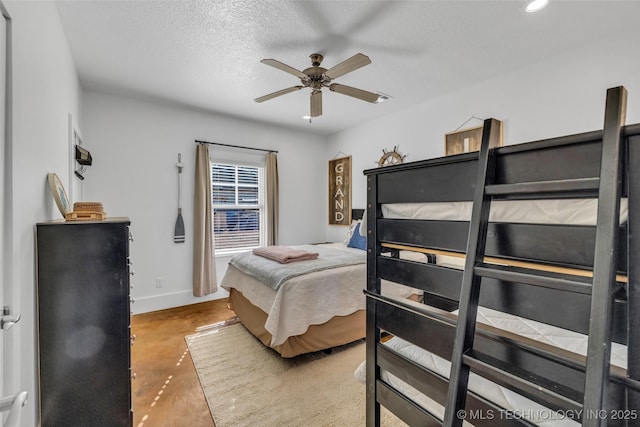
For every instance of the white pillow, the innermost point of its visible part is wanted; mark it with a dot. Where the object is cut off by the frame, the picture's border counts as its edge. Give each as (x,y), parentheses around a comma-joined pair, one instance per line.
(363,227)
(352,228)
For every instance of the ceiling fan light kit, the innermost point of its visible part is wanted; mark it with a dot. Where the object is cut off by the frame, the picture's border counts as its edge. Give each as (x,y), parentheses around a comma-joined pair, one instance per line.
(317,77)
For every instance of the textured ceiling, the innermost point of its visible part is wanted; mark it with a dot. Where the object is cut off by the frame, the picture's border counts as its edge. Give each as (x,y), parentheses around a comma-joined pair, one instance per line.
(206,54)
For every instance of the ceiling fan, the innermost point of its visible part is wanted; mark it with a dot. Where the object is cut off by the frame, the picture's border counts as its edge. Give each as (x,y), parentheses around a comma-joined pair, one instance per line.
(317,77)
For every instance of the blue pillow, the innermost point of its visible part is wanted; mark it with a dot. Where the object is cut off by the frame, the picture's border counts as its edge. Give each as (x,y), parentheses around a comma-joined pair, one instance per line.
(357,241)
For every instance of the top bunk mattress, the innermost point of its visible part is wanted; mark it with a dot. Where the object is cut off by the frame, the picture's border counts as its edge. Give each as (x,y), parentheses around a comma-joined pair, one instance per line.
(540,211)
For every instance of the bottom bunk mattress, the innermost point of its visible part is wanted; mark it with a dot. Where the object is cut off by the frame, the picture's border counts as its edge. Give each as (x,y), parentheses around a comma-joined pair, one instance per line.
(521,406)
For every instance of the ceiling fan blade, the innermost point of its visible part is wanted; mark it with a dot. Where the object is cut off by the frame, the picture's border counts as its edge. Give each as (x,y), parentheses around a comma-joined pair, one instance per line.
(354,92)
(316,103)
(348,65)
(278,93)
(284,67)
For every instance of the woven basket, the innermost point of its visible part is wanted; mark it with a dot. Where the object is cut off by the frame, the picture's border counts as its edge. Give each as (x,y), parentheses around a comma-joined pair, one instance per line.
(87,211)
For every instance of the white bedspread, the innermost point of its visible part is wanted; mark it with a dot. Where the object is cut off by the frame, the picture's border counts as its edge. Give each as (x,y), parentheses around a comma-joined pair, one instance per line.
(274,274)
(311,299)
(504,397)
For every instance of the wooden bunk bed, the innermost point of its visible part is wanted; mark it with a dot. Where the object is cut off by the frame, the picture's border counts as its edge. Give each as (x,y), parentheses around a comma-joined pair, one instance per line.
(584,279)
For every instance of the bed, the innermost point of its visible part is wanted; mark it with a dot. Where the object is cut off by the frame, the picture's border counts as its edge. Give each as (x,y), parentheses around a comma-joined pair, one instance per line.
(526,318)
(309,312)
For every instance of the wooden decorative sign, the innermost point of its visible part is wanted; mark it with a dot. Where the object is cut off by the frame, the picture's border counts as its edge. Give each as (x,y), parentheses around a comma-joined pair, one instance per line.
(340,191)
(468,140)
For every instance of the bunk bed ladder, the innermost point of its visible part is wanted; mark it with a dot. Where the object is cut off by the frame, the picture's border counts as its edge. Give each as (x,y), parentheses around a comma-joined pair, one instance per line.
(470,291)
(607,186)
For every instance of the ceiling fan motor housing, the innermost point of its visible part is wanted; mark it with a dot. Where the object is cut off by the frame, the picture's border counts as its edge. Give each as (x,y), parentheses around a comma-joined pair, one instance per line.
(316,59)
(315,74)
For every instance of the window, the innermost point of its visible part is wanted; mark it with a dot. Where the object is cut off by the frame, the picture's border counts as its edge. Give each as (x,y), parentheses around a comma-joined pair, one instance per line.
(238,207)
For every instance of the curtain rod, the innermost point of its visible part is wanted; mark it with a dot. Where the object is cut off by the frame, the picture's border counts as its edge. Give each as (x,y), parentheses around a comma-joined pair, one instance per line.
(235,146)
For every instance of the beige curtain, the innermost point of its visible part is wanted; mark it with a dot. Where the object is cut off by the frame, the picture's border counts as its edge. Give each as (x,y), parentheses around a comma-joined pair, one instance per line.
(272,197)
(204,266)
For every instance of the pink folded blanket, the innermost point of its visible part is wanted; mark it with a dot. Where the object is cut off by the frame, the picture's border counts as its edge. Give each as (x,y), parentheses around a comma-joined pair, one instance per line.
(284,254)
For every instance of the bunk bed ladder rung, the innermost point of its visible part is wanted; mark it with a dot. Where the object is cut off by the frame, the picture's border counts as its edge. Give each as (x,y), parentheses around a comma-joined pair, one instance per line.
(555,394)
(541,187)
(566,282)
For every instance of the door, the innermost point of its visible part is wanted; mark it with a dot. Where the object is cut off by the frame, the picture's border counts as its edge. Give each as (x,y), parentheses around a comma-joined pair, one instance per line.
(3,80)
(5,181)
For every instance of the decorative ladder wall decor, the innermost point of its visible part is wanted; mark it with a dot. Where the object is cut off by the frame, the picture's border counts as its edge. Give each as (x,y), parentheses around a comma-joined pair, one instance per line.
(607,186)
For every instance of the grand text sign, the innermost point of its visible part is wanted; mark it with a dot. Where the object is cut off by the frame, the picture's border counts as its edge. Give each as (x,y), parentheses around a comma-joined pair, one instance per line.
(340,191)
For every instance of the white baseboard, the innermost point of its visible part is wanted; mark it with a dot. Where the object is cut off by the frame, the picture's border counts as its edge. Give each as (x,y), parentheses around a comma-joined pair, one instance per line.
(171,300)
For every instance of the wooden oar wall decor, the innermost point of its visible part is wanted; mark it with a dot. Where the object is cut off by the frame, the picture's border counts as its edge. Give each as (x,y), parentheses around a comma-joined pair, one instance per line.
(178,232)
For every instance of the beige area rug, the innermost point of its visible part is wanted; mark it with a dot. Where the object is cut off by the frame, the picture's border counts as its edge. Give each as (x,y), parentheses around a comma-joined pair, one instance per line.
(248,384)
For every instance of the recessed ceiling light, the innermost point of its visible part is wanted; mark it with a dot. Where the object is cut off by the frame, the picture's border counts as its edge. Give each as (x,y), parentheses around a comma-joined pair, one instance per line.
(536,5)
(306,117)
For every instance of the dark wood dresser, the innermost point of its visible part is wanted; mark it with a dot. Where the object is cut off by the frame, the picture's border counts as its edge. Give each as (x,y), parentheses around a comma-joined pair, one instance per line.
(84,343)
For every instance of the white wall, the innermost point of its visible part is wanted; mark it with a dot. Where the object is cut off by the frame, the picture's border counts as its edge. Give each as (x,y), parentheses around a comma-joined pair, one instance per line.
(46,91)
(135,144)
(562,95)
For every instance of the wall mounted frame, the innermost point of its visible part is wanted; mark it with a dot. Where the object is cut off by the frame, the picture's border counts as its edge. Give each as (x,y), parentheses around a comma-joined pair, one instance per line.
(340,191)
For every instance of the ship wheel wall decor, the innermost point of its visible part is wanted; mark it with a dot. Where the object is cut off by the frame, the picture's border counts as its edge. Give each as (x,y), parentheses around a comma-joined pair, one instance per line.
(391,157)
